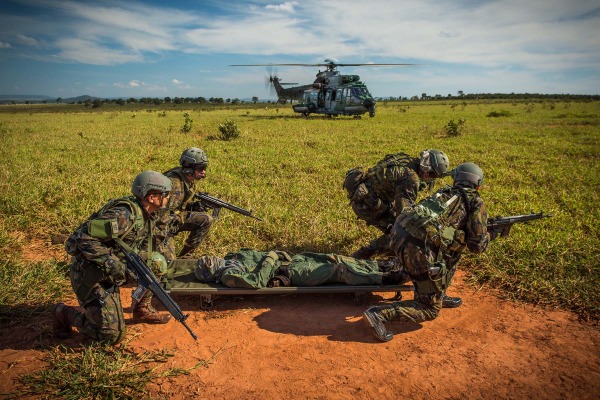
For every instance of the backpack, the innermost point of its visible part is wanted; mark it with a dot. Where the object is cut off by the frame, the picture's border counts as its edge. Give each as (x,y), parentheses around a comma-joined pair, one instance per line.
(426,224)
(389,161)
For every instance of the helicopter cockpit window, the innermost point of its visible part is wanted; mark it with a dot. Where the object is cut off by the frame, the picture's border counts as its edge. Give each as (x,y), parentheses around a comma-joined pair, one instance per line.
(359,92)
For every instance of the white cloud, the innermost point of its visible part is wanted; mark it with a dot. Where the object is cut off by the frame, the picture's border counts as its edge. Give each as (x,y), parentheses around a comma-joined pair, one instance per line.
(89,52)
(176,82)
(137,84)
(4,45)
(287,7)
(26,40)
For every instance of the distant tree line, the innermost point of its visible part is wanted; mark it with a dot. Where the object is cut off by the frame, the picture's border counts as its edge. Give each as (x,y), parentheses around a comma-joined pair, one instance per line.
(497,96)
(98,102)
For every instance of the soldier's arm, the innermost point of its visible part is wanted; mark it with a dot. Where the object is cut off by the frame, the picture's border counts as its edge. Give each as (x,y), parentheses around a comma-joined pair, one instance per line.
(478,237)
(406,189)
(176,200)
(98,250)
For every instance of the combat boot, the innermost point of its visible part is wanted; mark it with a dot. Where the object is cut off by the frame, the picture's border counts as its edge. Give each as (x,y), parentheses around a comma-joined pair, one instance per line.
(185,251)
(64,316)
(143,312)
(396,277)
(450,302)
(374,320)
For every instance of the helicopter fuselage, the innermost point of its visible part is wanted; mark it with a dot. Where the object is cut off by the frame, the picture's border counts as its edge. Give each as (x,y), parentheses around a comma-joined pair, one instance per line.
(335,94)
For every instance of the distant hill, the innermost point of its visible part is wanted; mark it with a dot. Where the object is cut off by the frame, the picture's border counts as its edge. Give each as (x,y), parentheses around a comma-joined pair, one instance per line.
(78,99)
(20,98)
(30,98)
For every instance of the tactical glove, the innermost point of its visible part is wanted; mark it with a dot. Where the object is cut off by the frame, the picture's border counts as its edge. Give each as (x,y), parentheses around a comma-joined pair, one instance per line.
(116,270)
(175,224)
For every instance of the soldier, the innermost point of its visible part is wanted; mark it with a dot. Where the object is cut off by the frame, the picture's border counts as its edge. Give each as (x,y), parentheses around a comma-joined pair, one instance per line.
(428,240)
(98,269)
(193,163)
(251,269)
(379,194)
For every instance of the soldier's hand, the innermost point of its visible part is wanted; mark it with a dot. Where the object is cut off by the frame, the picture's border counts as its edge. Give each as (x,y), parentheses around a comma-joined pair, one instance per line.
(493,234)
(116,270)
(175,224)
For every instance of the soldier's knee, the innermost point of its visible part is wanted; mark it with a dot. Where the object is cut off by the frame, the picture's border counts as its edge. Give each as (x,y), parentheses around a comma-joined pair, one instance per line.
(112,335)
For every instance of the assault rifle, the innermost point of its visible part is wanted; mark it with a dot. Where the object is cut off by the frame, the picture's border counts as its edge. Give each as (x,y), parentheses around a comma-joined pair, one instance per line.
(501,225)
(147,281)
(207,201)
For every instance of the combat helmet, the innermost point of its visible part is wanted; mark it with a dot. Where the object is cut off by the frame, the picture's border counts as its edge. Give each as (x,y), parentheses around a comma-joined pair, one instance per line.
(436,161)
(354,177)
(467,174)
(150,180)
(193,158)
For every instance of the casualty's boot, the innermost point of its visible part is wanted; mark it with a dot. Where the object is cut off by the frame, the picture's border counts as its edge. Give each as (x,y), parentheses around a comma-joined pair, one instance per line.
(450,302)
(395,277)
(143,312)
(186,249)
(374,320)
(64,316)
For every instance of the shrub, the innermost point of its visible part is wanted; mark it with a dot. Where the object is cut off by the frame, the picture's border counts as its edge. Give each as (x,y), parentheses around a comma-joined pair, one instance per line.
(454,128)
(501,113)
(229,130)
(187,125)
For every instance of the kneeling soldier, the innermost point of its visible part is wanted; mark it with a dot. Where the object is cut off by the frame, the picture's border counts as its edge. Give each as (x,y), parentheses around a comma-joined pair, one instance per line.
(429,239)
(98,269)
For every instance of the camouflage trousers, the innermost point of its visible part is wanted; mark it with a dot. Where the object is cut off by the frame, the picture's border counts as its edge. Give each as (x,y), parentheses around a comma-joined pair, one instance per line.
(425,307)
(196,223)
(103,318)
(379,215)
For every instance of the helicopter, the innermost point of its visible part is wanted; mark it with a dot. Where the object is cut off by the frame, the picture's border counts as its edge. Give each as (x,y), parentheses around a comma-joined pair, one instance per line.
(331,93)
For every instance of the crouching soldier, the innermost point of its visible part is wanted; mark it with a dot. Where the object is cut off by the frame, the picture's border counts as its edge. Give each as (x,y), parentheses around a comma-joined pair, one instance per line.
(98,267)
(183,217)
(379,194)
(429,239)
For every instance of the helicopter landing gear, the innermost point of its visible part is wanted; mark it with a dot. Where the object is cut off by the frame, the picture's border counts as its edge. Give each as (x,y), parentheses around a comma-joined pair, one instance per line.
(372,112)
(357,117)
(305,114)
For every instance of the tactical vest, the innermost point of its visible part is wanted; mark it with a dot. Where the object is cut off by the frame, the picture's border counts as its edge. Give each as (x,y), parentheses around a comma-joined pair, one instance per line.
(427,226)
(104,229)
(107,228)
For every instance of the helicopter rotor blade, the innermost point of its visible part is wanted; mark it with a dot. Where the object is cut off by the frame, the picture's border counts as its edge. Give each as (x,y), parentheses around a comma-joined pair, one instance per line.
(326,65)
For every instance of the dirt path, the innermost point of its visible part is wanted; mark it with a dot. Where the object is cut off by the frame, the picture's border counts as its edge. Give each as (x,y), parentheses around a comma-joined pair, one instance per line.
(317,347)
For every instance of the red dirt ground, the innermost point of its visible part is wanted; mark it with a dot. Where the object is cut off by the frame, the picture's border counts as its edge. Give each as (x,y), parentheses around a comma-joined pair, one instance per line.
(317,347)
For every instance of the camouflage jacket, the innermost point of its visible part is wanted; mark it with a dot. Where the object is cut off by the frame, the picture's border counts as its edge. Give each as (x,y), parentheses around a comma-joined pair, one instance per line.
(182,192)
(396,185)
(127,219)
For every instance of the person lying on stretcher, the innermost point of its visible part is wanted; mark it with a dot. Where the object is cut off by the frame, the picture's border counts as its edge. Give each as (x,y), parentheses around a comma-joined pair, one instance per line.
(252,269)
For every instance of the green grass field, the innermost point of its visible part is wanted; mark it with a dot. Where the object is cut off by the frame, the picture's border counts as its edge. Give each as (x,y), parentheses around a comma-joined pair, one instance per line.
(59,166)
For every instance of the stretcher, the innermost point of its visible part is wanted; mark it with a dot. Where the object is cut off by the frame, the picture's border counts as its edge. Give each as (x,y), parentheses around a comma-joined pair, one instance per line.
(183,282)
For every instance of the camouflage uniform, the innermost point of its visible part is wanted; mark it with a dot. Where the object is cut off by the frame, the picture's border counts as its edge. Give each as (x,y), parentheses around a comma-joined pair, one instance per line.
(195,222)
(468,215)
(97,268)
(380,194)
(253,269)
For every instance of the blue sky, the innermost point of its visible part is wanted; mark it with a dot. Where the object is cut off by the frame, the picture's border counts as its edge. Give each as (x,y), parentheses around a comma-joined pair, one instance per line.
(63,48)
